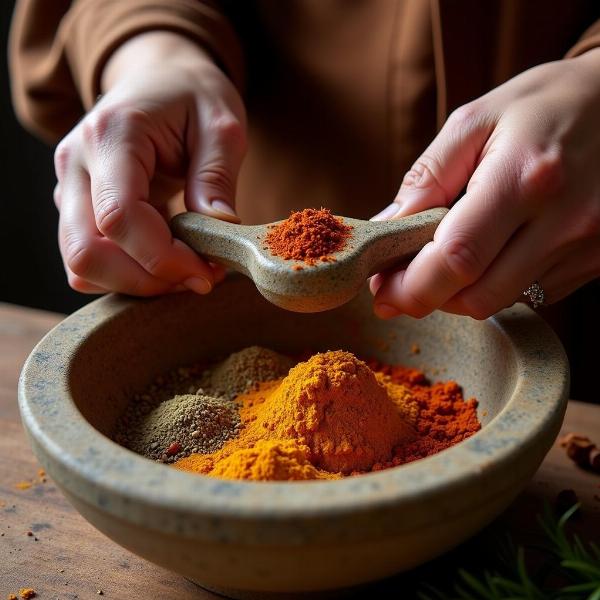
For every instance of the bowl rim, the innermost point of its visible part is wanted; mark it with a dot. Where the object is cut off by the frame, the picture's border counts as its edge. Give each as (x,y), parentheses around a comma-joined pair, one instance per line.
(108,470)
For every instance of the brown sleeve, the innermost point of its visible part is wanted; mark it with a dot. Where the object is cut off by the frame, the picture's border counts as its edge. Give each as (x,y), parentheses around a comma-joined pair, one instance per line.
(589,40)
(57,50)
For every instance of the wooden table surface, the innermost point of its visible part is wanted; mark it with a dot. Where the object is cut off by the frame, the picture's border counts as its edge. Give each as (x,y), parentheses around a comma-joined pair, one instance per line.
(67,558)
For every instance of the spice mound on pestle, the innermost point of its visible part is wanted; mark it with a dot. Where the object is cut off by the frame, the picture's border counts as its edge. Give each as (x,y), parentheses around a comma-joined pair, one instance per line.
(309,235)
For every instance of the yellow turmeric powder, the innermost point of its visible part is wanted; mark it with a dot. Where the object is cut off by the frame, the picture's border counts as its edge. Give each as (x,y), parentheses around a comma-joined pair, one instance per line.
(401,396)
(333,405)
(270,460)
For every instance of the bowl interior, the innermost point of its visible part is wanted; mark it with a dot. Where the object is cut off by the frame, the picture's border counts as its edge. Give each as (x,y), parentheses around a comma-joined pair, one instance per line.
(129,349)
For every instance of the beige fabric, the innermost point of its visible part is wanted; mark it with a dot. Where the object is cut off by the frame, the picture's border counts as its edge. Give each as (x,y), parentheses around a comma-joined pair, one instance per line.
(342,95)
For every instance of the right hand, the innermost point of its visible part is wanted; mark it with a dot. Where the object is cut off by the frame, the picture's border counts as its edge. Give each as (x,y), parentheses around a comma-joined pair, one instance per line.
(168,113)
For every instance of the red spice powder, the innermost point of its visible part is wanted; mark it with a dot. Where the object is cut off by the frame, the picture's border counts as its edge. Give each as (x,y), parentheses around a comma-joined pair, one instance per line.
(444,417)
(309,235)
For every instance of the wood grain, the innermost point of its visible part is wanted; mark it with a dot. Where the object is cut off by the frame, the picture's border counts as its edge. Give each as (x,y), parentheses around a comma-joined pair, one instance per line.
(67,558)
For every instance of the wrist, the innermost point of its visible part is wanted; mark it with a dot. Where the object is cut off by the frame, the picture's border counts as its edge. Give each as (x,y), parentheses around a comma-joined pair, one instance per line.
(149,49)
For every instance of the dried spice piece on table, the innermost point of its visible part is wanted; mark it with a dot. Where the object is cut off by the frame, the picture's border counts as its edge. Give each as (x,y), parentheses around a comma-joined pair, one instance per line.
(27,593)
(309,235)
(582,451)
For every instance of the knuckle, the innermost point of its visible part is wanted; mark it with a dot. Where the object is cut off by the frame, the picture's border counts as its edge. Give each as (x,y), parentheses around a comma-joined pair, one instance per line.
(110,216)
(57,196)
(228,131)
(61,158)
(464,116)
(218,177)
(423,173)
(95,126)
(79,257)
(100,124)
(544,175)
(460,259)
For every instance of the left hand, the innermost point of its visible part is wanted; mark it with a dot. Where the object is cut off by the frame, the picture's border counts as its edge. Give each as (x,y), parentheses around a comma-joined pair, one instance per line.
(529,154)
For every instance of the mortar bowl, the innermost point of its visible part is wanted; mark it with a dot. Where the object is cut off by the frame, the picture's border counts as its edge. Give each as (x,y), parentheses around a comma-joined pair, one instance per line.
(258,539)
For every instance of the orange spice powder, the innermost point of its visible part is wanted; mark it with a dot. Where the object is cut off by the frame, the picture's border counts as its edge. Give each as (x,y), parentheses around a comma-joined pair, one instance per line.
(309,235)
(443,416)
(334,416)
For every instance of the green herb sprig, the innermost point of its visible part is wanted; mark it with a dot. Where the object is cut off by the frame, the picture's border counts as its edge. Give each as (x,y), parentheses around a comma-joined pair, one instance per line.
(570,570)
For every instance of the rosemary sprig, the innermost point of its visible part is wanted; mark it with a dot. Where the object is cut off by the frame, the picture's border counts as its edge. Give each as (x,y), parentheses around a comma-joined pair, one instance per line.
(570,570)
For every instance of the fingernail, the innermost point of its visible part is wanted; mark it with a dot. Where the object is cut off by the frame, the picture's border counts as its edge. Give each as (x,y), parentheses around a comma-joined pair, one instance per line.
(222,207)
(375,282)
(386,311)
(387,213)
(200,285)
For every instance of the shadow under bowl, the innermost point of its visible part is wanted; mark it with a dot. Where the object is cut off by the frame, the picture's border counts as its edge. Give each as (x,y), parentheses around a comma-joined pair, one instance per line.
(249,539)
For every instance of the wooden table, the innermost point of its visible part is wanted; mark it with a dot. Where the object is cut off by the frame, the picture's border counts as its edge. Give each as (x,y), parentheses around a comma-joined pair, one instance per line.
(67,558)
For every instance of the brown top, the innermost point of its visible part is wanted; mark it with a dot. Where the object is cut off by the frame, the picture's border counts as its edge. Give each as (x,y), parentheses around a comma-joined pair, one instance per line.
(342,96)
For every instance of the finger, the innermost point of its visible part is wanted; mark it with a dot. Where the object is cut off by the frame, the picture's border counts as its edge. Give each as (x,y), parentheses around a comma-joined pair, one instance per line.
(575,270)
(87,255)
(82,285)
(121,163)
(375,282)
(445,167)
(56,196)
(524,260)
(548,239)
(469,238)
(215,161)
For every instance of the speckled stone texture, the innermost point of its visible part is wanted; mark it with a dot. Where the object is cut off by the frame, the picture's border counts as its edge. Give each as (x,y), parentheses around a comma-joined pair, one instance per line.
(374,246)
(249,538)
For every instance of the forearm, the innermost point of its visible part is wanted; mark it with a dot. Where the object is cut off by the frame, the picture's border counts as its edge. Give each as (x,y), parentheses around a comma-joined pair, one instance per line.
(151,49)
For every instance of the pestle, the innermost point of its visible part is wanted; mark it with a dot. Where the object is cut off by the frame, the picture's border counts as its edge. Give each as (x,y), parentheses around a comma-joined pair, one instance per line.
(373,247)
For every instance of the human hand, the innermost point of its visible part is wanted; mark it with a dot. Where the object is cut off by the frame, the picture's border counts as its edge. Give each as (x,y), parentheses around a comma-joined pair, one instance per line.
(168,114)
(528,152)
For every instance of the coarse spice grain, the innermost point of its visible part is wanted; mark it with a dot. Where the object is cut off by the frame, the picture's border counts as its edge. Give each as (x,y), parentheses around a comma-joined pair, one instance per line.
(241,372)
(183,425)
(309,235)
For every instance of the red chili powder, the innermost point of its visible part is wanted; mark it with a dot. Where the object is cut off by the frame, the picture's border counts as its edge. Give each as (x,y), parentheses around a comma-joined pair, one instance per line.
(444,417)
(308,235)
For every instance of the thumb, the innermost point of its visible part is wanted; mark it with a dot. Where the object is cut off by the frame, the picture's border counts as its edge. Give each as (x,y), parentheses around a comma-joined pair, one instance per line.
(445,167)
(213,169)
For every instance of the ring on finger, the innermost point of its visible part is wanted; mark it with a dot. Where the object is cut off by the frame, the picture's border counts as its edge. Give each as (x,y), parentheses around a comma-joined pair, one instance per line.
(535,295)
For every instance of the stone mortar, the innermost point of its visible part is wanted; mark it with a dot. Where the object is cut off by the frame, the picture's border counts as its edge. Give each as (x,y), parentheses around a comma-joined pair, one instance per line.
(253,539)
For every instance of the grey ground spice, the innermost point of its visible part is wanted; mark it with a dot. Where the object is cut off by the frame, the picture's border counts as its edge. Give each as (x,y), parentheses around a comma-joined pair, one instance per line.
(190,409)
(242,370)
(182,425)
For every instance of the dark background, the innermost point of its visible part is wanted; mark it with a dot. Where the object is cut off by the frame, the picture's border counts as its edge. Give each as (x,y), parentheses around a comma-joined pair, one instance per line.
(32,269)
(32,272)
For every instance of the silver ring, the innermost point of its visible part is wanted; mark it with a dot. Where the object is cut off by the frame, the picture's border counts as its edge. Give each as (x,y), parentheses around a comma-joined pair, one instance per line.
(535,294)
